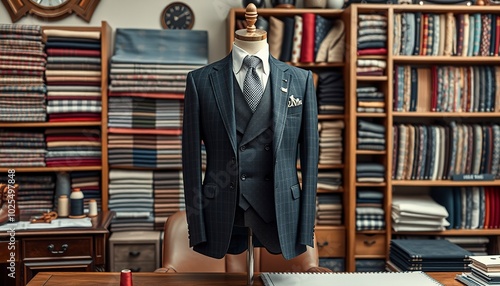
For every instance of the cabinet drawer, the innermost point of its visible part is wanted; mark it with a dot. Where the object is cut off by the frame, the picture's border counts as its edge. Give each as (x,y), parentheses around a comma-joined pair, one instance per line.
(60,247)
(134,252)
(370,244)
(144,266)
(330,242)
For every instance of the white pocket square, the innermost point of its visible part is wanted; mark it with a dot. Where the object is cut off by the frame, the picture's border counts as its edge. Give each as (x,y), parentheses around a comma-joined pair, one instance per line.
(292,101)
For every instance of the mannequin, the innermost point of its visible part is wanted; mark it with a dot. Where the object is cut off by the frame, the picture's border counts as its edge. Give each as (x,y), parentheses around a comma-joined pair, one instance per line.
(250,181)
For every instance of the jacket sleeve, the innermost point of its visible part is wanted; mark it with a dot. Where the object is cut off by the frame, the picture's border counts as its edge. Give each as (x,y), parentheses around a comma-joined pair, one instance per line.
(191,163)
(309,157)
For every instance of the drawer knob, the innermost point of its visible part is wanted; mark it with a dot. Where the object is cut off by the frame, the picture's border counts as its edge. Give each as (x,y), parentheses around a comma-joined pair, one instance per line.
(369,242)
(134,253)
(63,249)
(322,244)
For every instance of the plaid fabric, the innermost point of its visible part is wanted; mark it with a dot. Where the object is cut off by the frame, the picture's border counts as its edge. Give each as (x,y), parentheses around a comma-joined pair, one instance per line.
(59,106)
(21,37)
(172,77)
(370,224)
(20,29)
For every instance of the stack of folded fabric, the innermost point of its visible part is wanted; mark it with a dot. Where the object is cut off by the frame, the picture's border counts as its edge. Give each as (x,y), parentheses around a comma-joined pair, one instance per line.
(370,99)
(329,180)
(73,147)
(371,136)
(35,195)
(22,66)
(430,255)
(328,209)
(22,149)
(144,150)
(89,183)
(370,214)
(330,92)
(372,34)
(131,197)
(148,79)
(331,142)
(484,270)
(370,172)
(169,195)
(417,213)
(73,75)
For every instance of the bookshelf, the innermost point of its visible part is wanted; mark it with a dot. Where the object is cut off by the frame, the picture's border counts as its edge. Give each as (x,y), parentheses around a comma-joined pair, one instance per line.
(331,240)
(104,32)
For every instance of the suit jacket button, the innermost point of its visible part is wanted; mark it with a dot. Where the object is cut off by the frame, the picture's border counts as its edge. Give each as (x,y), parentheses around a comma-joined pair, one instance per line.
(267,148)
(243,177)
(243,148)
(231,186)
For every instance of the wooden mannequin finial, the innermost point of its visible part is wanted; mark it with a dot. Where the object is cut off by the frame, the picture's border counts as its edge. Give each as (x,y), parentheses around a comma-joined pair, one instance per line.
(251,33)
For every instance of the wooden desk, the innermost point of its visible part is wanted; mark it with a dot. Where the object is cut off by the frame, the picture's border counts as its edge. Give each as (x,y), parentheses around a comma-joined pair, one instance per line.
(72,249)
(185,279)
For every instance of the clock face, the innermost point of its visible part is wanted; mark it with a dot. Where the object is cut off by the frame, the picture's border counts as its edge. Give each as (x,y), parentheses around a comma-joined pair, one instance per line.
(177,15)
(49,3)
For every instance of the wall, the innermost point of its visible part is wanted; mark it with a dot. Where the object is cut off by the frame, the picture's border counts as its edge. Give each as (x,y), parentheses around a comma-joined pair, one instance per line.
(210,15)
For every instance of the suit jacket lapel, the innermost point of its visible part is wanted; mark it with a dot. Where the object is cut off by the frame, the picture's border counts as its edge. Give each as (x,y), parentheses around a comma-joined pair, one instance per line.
(222,84)
(280,82)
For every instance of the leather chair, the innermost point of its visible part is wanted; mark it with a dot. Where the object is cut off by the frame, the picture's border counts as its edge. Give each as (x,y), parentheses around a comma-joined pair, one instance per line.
(179,257)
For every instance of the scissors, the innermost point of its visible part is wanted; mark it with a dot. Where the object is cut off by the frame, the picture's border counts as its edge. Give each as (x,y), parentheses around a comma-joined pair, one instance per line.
(45,218)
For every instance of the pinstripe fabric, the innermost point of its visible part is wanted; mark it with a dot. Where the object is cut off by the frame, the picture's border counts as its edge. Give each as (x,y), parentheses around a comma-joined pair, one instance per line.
(209,117)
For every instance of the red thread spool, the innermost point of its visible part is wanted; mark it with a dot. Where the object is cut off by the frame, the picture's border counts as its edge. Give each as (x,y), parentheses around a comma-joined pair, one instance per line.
(126,278)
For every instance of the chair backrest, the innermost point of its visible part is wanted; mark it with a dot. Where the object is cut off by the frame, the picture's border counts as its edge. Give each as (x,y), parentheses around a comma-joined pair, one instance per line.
(179,257)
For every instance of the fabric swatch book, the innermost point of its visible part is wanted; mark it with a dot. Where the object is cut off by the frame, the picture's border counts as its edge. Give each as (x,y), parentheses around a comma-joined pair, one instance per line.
(416,278)
(430,249)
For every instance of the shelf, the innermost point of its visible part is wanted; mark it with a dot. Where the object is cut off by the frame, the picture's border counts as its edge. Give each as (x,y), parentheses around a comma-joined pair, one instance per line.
(49,124)
(445,183)
(455,60)
(372,78)
(446,114)
(51,169)
(370,152)
(285,12)
(316,65)
(371,114)
(452,232)
(370,231)
(332,227)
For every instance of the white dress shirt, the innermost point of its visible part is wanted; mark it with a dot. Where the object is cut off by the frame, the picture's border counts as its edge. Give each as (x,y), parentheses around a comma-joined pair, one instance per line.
(263,68)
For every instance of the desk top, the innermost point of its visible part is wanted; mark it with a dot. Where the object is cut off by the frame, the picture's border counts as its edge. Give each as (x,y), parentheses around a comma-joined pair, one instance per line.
(185,279)
(100,225)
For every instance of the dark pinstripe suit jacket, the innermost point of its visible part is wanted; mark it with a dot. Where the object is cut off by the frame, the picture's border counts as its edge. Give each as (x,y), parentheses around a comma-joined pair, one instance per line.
(209,116)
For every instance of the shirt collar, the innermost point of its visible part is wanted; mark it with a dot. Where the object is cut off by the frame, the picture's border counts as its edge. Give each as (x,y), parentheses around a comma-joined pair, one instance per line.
(239,54)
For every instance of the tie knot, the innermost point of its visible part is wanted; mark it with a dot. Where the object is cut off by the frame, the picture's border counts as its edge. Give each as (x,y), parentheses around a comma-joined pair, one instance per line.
(251,61)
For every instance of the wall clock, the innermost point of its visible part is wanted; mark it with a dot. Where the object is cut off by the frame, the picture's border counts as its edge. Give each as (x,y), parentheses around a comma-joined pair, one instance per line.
(177,15)
(50,10)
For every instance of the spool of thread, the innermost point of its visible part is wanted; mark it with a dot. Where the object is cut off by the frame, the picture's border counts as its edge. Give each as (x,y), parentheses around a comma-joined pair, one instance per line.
(92,208)
(63,206)
(76,202)
(126,277)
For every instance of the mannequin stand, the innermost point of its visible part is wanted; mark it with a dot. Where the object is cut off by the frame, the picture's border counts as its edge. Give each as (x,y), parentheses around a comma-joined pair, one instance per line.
(250,258)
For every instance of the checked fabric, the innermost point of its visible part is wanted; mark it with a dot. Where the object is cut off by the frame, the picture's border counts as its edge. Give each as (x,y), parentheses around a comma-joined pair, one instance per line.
(252,87)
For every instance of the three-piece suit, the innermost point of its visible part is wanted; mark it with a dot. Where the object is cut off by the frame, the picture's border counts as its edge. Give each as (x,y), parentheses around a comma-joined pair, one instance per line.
(251,174)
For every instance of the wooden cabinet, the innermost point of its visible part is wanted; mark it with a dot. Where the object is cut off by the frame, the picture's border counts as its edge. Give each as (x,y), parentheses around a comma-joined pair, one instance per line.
(138,251)
(63,249)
